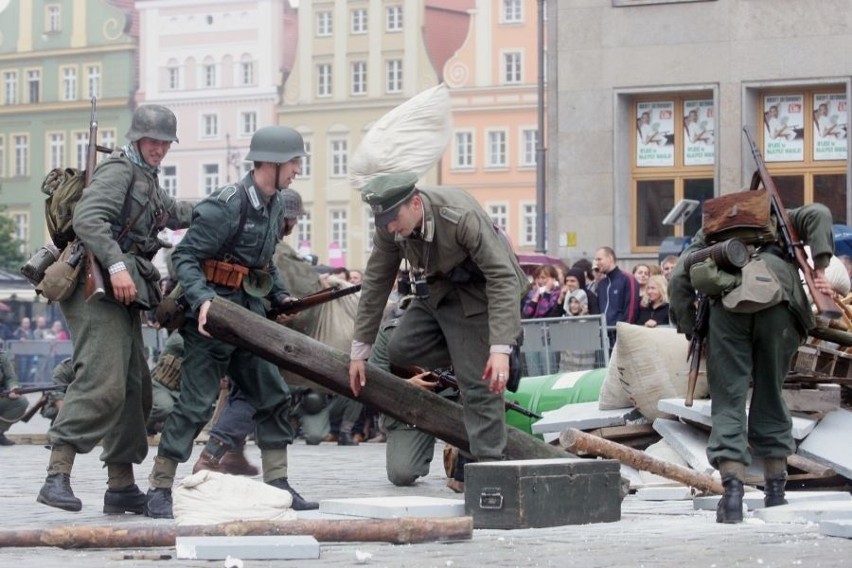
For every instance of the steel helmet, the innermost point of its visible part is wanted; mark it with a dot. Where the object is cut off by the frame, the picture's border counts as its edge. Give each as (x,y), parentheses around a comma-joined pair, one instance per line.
(276,145)
(153,121)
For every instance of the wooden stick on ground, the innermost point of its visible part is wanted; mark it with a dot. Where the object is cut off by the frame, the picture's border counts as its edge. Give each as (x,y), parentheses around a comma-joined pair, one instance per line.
(395,531)
(576,441)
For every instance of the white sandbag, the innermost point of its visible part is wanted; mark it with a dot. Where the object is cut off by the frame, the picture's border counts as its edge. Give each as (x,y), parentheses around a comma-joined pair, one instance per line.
(208,497)
(651,364)
(336,320)
(410,138)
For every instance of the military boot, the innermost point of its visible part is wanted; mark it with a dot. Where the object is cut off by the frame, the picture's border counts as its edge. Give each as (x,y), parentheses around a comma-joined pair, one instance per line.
(158,503)
(299,502)
(56,491)
(730,507)
(235,463)
(346,439)
(211,457)
(775,479)
(127,500)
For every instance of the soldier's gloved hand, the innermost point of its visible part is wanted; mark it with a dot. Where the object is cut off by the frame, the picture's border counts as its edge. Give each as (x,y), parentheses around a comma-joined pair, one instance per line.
(282,302)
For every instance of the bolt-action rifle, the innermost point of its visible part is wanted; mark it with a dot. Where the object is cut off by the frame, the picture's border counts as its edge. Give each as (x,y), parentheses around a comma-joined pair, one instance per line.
(44,389)
(696,345)
(445,379)
(793,246)
(299,304)
(95,288)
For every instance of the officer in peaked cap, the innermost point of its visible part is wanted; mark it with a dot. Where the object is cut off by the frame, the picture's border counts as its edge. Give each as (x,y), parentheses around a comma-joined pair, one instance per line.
(455,320)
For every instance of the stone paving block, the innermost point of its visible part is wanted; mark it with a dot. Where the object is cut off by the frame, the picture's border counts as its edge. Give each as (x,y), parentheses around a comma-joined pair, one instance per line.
(813,512)
(754,499)
(247,547)
(700,413)
(678,493)
(689,442)
(583,416)
(829,444)
(394,507)
(842,529)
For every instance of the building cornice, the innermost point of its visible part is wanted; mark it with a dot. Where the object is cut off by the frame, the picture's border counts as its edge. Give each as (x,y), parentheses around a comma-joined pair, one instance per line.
(83,52)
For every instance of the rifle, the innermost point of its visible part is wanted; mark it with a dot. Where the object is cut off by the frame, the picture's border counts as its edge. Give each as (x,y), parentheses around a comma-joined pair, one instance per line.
(446,379)
(311,300)
(35,388)
(790,239)
(95,288)
(696,345)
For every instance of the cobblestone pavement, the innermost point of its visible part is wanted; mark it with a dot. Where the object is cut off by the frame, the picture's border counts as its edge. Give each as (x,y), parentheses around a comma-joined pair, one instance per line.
(649,534)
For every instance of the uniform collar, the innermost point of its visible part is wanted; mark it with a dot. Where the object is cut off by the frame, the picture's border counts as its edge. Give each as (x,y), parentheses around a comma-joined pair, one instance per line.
(253,194)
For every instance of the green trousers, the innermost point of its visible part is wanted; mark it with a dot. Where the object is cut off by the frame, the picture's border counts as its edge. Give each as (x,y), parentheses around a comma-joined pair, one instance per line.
(110,397)
(11,411)
(408,453)
(207,360)
(742,348)
(433,338)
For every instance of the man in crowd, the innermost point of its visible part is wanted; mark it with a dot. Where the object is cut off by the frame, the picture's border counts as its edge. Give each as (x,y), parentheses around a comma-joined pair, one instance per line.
(227,253)
(467,286)
(618,293)
(110,396)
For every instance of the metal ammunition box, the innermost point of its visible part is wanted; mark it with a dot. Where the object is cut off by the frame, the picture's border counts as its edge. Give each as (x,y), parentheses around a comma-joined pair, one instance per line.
(542,493)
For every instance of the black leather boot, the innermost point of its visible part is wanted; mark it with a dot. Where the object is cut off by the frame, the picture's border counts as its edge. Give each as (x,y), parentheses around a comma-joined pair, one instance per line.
(773,492)
(127,500)
(56,492)
(730,508)
(345,439)
(158,503)
(299,502)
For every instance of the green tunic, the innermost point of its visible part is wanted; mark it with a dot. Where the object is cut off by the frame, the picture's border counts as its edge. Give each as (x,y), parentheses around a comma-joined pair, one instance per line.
(110,397)
(754,348)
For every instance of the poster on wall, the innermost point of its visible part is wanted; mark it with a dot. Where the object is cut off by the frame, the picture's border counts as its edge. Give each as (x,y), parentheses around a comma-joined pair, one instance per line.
(783,123)
(830,124)
(699,127)
(655,134)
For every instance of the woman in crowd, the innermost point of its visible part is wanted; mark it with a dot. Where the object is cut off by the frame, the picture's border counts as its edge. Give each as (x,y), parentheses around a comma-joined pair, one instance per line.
(654,305)
(577,303)
(641,273)
(542,301)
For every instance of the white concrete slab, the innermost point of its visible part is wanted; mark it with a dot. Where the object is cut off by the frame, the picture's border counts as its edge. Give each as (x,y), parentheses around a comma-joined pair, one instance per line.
(842,529)
(690,443)
(394,507)
(583,416)
(754,499)
(829,442)
(678,493)
(813,512)
(700,412)
(247,547)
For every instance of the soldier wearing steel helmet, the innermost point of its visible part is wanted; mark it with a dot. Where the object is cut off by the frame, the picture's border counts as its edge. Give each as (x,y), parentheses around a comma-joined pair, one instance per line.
(227,252)
(110,397)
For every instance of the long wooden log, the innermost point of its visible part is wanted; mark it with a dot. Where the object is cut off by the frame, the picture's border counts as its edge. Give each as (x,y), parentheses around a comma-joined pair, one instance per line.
(577,441)
(395,531)
(329,367)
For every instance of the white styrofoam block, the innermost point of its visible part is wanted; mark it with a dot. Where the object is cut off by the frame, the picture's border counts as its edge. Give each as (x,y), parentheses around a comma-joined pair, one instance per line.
(700,412)
(754,499)
(813,512)
(583,416)
(828,443)
(709,502)
(677,493)
(394,507)
(842,529)
(690,443)
(247,547)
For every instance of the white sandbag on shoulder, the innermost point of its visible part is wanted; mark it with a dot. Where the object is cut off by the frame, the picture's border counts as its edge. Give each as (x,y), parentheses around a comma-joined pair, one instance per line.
(410,138)
(209,497)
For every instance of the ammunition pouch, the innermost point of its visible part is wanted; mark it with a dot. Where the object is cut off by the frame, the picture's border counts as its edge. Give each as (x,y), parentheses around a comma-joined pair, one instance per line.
(61,277)
(167,371)
(224,273)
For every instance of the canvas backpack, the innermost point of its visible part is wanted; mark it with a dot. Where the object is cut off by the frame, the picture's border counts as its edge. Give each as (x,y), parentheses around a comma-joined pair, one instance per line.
(64,188)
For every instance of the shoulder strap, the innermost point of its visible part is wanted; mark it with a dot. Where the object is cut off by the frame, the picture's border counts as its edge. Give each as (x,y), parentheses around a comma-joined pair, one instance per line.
(229,245)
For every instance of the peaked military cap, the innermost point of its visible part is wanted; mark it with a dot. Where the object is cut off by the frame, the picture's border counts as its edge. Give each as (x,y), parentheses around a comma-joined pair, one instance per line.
(384,194)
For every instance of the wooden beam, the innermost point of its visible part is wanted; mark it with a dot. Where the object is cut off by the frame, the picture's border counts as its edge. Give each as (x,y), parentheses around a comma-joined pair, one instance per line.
(329,367)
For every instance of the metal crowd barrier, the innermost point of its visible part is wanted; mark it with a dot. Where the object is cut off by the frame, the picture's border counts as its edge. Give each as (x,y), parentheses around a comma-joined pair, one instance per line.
(553,345)
(34,360)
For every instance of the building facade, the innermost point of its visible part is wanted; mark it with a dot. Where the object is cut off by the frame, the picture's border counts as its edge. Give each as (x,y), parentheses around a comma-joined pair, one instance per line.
(54,57)
(650,98)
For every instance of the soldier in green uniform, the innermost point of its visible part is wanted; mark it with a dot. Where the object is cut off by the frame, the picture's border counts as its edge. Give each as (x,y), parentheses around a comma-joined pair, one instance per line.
(110,397)
(166,382)
(227,252)
(467,287)
(12,406)
(754,347)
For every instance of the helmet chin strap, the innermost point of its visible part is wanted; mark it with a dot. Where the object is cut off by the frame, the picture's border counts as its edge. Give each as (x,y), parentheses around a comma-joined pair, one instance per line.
(277,172)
